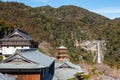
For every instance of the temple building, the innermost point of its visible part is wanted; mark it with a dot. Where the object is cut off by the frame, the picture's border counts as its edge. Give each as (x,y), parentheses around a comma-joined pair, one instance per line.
(16,40)
(28,64)
(64,69)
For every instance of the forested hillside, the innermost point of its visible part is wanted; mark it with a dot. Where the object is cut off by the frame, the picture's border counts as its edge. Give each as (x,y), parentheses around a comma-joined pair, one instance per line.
(66,23)
(117,20)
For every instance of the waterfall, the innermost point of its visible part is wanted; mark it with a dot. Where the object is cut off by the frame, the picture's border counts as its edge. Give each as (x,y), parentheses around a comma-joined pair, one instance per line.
(99,58)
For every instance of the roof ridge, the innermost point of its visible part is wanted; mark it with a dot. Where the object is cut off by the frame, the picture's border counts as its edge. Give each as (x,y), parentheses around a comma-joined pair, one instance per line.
(24,50)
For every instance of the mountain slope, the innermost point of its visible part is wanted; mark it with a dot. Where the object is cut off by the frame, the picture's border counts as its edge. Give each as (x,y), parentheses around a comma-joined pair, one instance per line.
(67,23)
(117,20)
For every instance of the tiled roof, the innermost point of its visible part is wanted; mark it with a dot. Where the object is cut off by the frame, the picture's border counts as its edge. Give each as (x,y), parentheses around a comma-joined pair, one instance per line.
(19,65)
(62,47)
(64,73)
(27,59)
(65,61)
(20,33)
(36,56)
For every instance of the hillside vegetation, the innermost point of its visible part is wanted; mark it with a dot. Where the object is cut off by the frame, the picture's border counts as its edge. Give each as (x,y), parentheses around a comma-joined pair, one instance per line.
(66,23)
(117,20)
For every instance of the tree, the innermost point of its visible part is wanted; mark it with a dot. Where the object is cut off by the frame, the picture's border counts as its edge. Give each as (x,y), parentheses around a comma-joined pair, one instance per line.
(80,76)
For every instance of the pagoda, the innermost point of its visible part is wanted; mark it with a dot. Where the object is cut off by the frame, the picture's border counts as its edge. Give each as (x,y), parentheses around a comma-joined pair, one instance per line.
(62,53)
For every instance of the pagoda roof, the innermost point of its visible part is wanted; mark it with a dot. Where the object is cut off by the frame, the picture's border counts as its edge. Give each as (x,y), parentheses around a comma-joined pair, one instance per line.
(27,59)
(62,47)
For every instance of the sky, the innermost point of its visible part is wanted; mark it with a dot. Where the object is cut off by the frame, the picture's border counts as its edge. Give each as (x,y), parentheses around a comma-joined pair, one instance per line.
(107,8)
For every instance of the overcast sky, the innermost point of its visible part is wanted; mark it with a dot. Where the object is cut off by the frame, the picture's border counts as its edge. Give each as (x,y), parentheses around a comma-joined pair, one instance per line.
(108,8)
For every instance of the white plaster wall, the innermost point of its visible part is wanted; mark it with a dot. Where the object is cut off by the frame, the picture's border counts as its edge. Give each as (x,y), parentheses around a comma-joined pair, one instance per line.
(26,47)
(11,49)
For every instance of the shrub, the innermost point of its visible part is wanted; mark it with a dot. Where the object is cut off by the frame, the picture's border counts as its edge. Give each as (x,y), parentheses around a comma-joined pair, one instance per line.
(1,57)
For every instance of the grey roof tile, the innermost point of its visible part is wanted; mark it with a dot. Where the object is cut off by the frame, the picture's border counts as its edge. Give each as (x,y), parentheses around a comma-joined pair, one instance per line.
(64,73)
(20,33)
(30,59)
